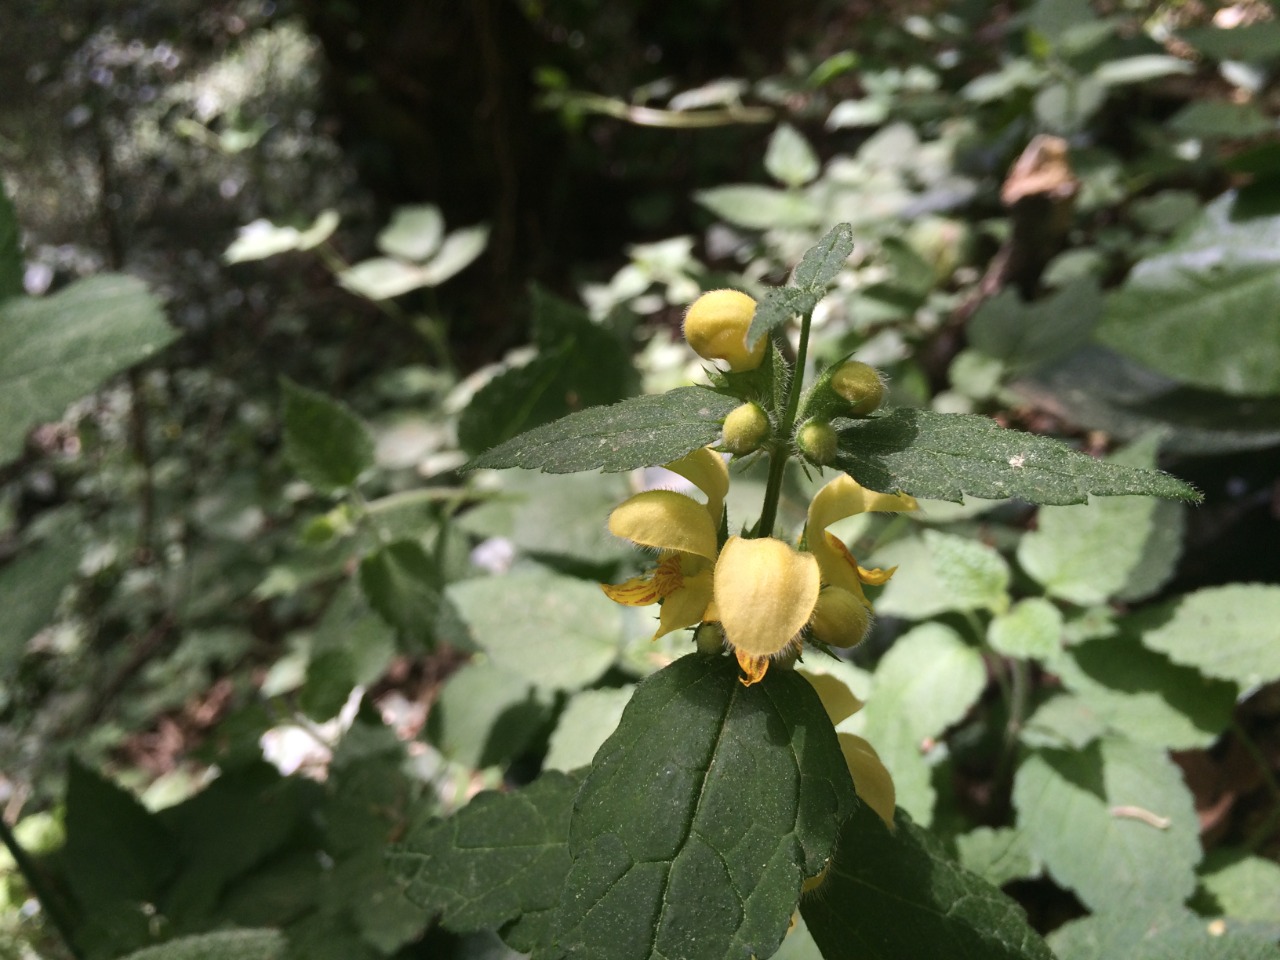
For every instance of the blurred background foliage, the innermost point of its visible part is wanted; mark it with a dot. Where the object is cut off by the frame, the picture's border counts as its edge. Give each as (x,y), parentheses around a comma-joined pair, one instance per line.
(259,624)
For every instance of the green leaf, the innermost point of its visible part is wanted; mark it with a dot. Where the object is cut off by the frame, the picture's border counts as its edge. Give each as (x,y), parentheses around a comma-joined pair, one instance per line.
(588,720)
(997,855)
(220,945)
(486,715)
(381,278)
(1227,632)
(1062,721)
(941,456)
(262,238)
(10,249)
(557,632)
(1172,934)
(925,683)
(1258,41)
(459,251)
(778,306)
(824,260)
(500,859)
(701,816)
(1030,630)
(414,233)
(1220,120)
(1200,311)
(789,159)
(1113,822)
(639,432)
(1028,335)
(1143,696)
(890,896)
(326,443)
(56,349)
(403,585)
(31,584)
(760,208)
(1242,886)
(938,572)
(1141,68)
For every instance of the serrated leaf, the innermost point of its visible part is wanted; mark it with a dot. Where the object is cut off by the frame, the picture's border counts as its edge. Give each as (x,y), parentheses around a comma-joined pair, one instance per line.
(486,715)
(555,631)
(327,444)
(10,249)
(778,306)
(1173,934)
(1028,335)
(760,208)
(942,456)
(1257,41)
(789,159)
(1113,822)
(220,945)
(1220,120)
(1141,68)
(1232,632)
(31,585)
(823,261)
(1030,630)
(56,349)
(639,432)
(890,896)
(403,585)
(1143,696)
(1242,886)
(701,816)
(500,858)
(996,855)
(938,572)
(1062,721)
(1200,311)
(588,720)
(414,232)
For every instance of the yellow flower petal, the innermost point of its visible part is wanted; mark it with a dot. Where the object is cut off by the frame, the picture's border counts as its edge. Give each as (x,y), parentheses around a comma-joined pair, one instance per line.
(840,619)
(665,520)
(665,579)
(844,497)
(837,699)
(871,780)
(706,470)
(765,593)
(686,606)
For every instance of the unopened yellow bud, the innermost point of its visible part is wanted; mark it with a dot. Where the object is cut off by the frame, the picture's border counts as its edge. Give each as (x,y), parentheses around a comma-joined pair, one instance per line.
(860,385)
(840,619)
(817,441)
(745,429)
(716,327)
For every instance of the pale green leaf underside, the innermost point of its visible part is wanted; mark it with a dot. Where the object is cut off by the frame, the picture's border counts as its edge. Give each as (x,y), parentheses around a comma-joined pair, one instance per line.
(326,443)
(1175,934)
(948,456)
(219,945)
(639,432)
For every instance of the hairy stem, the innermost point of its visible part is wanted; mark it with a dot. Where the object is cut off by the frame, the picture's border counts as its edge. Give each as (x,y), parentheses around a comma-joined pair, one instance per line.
(780,452)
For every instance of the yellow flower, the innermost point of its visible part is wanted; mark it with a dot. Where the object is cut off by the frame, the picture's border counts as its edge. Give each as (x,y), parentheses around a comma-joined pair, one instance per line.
(842,613)
(686,534)
(716,327)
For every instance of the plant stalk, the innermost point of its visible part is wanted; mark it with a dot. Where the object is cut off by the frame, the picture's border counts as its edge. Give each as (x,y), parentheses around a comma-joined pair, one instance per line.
(53,906)
(780,452)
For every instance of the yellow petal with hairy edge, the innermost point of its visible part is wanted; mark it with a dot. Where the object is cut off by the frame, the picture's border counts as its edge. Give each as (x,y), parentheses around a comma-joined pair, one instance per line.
(875,576)
(840,619)
(765,593)
(686,606)
(844,497)
(837,699)
(753,668)
(871,780)
(666,520)
(662,581)
(706,470)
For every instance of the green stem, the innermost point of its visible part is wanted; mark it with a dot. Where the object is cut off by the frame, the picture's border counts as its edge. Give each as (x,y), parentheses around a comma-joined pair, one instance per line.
(50,902)
(780,452)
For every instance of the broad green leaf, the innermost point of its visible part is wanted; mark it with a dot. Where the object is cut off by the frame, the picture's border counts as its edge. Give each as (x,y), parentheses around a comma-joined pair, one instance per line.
(1143,696)
(331,675)
(1028,335)
(798,943)
(1141,68)
(1171,934)
(1200,311)
(557,632)
(700,818)
(997,855)
(326,443)
(778,306)
(10,249)
(588,720)
(1062,721)
(867,112)
(892,896)
(502,858)
(760,208)
(414,233)
(402,583)
(789,159)
(31,585)
(58,348)
(1113,822)
(938,572)
(640,432)
(486,715)
(1242,886)
(350,624)
(1257,41)
(1232,632)
(925,683)
(943,456)
(220,945)
(1122,548)
(1220,120)
(1030,630)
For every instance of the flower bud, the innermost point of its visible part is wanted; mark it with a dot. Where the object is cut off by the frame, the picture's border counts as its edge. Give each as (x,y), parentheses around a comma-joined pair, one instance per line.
(709,638)
(860,386)
(840,619)
(817,441)
(745,429)
(716,327)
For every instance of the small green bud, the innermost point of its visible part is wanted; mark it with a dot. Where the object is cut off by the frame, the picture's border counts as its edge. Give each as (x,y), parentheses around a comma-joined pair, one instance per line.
(840,619)
(709,638)
(745,429)
(817,441)
(860,386)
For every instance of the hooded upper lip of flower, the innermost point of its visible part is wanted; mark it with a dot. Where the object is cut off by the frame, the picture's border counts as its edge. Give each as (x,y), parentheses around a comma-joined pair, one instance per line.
(844,497)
